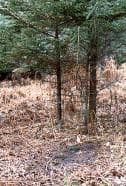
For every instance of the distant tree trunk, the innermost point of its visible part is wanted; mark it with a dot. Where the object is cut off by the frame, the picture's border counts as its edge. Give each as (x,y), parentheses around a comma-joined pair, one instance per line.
(86,96)
(92,59)
(58,75)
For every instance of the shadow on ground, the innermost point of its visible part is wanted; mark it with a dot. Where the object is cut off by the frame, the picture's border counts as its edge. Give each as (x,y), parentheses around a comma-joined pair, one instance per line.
(77,154)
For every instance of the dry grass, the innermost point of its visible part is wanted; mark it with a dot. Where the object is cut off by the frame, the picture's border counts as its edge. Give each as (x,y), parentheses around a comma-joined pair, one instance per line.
(34,152)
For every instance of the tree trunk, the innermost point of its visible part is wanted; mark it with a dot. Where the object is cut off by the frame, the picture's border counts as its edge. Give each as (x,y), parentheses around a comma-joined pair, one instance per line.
(86,96)
(92,58)
(58,75)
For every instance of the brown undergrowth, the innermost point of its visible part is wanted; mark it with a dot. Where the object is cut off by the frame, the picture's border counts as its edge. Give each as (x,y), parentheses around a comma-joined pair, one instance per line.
(34,152)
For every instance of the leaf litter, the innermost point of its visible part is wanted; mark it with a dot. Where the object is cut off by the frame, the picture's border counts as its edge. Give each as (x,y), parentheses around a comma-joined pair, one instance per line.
(34,152)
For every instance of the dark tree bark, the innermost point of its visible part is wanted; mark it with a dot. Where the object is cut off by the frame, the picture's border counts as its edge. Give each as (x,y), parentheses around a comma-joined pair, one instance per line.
(86,96)
(92,59)
(58,75)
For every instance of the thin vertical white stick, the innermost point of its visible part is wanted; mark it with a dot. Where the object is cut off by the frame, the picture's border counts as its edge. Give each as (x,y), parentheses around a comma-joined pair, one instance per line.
(78,44)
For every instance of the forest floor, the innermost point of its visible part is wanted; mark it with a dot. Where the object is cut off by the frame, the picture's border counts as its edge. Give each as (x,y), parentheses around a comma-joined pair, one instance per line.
(29,156)
(34,152)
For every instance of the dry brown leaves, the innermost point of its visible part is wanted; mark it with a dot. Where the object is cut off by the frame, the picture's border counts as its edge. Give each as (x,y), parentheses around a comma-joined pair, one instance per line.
(34,152)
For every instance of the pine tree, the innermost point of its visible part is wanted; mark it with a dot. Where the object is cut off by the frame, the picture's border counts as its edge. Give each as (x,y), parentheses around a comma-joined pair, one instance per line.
(40,27)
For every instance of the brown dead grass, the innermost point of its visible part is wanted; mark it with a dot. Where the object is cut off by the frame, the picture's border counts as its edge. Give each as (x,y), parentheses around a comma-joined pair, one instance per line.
(34,152)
